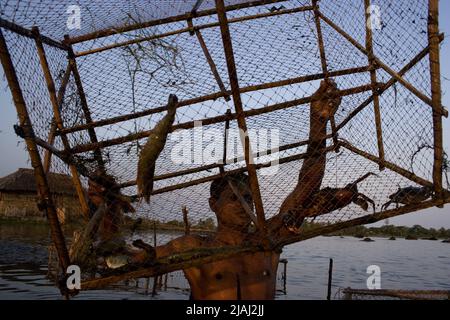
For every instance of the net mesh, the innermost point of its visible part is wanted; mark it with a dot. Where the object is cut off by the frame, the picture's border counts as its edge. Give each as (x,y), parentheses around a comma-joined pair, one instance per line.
(139,77)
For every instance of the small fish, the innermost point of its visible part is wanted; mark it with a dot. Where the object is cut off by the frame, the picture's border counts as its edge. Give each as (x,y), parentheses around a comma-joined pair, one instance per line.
(117,261)
(152,149)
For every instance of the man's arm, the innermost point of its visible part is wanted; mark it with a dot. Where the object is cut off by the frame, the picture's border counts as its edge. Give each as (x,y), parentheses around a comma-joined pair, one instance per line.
(325,103)
(178,245)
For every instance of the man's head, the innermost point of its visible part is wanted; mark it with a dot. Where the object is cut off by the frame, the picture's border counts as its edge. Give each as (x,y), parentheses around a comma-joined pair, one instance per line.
(226,204)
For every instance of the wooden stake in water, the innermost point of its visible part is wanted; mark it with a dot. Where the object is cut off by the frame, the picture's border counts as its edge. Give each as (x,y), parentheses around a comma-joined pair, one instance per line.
(330,279)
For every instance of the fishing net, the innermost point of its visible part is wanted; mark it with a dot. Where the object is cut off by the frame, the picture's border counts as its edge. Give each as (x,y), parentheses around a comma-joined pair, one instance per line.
(132,55)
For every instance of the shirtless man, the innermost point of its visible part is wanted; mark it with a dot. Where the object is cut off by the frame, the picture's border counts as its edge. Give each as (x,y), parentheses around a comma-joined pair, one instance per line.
(253,275)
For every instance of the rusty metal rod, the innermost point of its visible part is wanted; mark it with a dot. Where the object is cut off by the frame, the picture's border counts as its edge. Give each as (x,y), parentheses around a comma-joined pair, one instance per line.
(41,180)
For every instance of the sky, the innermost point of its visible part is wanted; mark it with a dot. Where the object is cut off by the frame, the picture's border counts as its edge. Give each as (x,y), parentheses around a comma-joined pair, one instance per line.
(14,155)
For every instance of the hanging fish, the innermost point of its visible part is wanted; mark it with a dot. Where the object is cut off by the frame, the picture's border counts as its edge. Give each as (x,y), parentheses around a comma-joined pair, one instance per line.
(152,149)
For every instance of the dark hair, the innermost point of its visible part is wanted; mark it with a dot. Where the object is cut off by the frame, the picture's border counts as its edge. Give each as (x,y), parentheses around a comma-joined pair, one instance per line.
(219,184)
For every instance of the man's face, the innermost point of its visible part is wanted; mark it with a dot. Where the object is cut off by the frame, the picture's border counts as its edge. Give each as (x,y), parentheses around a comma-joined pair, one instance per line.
(228,207)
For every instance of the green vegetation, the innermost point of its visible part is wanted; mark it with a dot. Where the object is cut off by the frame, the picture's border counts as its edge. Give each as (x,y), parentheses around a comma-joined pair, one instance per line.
(415,232)
(201,225)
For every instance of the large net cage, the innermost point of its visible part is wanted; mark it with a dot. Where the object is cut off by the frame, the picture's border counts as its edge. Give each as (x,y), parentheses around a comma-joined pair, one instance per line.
(114,66)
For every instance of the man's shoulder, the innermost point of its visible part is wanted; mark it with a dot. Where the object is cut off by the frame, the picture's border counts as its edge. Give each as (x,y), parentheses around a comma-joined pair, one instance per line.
(188,241)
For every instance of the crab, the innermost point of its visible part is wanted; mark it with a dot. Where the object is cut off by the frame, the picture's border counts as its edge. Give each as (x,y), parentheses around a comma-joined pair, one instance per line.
(328,200)
(408,195)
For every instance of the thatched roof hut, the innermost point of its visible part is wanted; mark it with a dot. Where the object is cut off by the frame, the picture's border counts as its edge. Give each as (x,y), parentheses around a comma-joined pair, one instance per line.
(18,196)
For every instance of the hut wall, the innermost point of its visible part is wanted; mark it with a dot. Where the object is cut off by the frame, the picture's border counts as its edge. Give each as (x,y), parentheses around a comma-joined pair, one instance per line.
(24,206)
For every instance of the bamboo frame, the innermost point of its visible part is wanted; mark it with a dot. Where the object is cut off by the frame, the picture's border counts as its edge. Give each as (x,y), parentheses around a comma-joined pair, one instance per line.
(367,219)
(53,127)
(373,78)
(189,125)
(197,258)
(41,179)
(231,172)
(29,34)
(435,74)
(212,65)
(56,103)
(84,106)
(191,28)
(234,83)
(391,166)
(219,165)
(386,68)
(389,84)
(183,17)
(214,96)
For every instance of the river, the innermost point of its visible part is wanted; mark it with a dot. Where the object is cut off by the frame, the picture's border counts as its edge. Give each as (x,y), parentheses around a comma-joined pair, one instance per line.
(404,264)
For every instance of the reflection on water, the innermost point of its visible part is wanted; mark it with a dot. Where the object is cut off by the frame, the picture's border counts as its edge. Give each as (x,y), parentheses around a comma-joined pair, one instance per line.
(404,265)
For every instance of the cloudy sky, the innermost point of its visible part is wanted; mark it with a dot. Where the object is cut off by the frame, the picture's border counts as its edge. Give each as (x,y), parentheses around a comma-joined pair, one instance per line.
(14,155)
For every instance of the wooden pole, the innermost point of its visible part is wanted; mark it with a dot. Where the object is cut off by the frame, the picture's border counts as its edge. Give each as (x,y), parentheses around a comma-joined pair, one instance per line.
(373,78)
(219,165)
(53,128)
(330,279)
(169,264)
(323,60)
(209,121)
(212,65)
(391,166)
(225,144)
(41,180)
(231,172)
(388,84)
(29,34)
(435,74)
(183,17)
(367,219)
(393,74)
(190,29)
(84,106)
(214,96)
(59,122)
(235,90)
(187,225)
